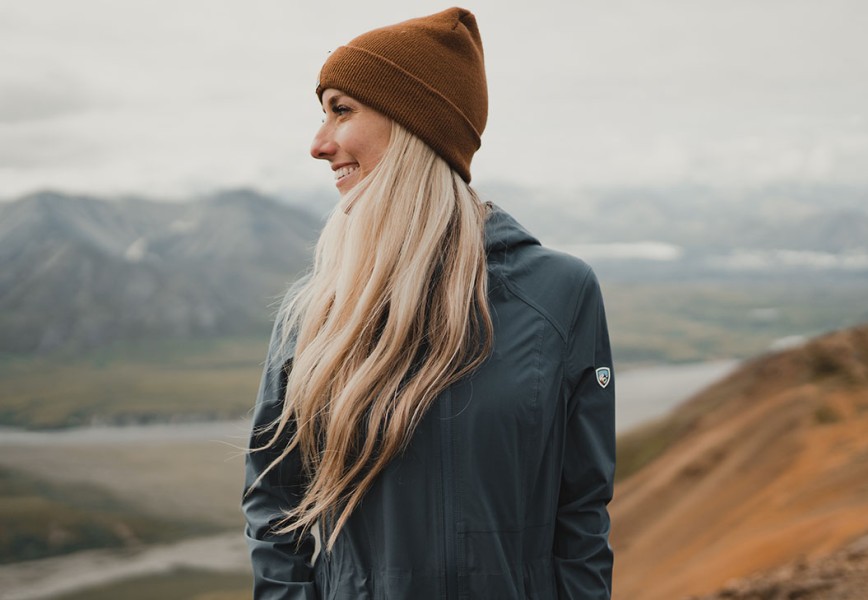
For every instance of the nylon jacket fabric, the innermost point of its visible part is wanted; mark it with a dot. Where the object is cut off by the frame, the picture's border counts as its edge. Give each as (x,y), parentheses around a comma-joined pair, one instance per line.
(503,490)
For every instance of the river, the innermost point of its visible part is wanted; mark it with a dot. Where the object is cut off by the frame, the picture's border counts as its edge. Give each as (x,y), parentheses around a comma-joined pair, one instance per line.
(647,393)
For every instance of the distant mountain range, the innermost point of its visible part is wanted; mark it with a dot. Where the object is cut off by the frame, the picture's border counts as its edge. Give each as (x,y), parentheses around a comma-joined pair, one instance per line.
(80,272)
(83,272)
(818,218)
(691,231)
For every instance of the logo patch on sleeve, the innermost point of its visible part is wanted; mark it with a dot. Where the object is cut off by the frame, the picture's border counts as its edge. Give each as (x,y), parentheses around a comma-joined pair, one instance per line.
(604,376)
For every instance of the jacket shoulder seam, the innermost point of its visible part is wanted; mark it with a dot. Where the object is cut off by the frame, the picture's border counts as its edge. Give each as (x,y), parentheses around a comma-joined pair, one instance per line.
(518,293)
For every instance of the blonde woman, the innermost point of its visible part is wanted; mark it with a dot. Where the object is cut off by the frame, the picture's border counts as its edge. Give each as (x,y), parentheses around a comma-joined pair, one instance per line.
(438,398)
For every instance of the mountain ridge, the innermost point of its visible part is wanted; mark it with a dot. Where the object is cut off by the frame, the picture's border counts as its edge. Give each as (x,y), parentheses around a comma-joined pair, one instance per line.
(81,272)
(215,264)
(766,466)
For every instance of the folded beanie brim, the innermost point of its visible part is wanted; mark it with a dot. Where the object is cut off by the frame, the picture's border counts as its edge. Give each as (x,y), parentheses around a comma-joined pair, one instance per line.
(375,81)
(427,74)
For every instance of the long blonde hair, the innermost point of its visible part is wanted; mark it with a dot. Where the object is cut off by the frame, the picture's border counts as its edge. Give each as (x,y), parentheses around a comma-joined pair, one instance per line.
(393,312)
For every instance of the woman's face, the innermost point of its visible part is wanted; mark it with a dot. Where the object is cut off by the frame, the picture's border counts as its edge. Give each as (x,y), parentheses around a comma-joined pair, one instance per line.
(353,138)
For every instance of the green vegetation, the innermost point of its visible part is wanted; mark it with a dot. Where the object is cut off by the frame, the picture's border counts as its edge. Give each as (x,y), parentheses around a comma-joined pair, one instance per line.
(154,382)
(179,585)
(696,321)
(40,519)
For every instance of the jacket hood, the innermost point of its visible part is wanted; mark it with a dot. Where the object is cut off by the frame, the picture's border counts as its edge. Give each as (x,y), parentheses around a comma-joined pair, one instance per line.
(503,232)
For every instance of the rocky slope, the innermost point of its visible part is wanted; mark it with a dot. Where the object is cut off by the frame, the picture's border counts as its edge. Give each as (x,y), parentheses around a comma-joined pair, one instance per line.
(767,467)
(842,575)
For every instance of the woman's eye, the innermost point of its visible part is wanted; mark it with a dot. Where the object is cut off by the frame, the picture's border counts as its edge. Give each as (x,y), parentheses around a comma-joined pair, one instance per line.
(340,109)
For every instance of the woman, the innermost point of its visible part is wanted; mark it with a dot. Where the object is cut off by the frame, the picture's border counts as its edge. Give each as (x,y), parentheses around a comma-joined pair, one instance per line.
(437,400)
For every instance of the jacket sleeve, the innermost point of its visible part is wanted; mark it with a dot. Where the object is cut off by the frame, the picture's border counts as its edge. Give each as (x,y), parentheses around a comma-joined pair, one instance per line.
(282,564)
(583,558)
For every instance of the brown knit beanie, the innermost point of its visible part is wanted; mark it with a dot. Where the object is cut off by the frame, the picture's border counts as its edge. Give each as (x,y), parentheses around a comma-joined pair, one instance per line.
(427,74)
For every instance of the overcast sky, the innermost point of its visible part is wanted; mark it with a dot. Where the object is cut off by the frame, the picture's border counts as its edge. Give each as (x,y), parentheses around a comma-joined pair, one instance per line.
(178,97)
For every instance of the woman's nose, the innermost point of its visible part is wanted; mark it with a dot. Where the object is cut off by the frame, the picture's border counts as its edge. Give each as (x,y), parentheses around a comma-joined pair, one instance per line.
(323,146)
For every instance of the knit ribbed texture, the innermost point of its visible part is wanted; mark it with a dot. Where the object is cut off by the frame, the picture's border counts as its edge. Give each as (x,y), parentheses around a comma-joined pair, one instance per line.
(428,74)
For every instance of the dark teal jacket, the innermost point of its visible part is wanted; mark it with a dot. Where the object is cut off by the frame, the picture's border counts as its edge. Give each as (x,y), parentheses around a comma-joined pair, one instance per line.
(502,492)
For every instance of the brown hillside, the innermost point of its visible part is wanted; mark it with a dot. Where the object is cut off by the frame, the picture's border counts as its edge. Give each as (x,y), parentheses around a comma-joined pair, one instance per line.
(770,466)
(842,575)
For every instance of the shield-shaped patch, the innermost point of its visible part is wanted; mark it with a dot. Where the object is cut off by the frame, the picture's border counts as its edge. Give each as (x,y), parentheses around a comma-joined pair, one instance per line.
(604,375)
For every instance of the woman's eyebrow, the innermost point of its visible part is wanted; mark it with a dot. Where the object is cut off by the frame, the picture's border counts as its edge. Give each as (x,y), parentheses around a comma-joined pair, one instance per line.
(335,99)
(331,102)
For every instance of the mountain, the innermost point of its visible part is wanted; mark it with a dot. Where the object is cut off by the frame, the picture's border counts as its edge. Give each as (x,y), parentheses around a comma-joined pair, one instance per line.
(763,469)
(831,218)
(80,272)
(689,231)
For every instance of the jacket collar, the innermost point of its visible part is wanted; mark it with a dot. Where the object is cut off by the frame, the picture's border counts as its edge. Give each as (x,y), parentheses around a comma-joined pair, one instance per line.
(503,232)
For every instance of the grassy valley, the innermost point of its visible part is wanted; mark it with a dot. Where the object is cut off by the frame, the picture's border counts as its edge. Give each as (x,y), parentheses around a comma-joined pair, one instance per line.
(161,381)
(40,518)
(691,321)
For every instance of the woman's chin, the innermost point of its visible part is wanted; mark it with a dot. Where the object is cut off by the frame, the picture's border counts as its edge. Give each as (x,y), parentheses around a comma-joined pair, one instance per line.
(347,183)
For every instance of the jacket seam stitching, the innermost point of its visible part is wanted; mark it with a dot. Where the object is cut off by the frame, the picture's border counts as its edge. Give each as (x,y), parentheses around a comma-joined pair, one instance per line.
(518,293)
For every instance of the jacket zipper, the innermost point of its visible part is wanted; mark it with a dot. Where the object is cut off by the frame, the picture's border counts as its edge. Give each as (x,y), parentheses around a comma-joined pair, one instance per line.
(448,495)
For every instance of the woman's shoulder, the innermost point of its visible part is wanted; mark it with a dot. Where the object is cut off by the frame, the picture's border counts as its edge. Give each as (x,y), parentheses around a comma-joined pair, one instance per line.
(516,254)
(551,277)
(508,242)
(549,281)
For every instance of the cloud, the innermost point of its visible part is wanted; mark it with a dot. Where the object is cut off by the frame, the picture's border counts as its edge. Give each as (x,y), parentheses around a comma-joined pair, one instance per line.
(147,95)
(37,95)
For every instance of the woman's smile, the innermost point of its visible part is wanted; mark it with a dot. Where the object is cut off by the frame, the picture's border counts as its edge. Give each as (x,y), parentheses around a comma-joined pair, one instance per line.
(353,138)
